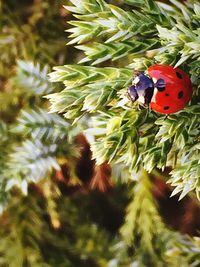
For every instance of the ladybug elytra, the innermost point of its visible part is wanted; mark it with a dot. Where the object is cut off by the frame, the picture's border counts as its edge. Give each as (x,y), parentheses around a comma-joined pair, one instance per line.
(166,89)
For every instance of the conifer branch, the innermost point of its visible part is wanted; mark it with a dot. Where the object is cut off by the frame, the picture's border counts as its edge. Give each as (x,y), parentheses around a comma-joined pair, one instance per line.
(40,124)
(99,52)
(144,228)
(23,234)
(126,33)
(32,77)
(123,133)
(142,216)
(109,19)
(87,88)
(30,162)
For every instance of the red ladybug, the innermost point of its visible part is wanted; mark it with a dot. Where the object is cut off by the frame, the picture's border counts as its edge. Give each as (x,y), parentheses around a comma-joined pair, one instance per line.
(165,88)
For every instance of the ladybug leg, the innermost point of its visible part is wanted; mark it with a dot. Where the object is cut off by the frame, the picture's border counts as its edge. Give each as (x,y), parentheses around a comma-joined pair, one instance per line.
(132,92)
(148,95)
(141,106)
(149,108)
(166,116)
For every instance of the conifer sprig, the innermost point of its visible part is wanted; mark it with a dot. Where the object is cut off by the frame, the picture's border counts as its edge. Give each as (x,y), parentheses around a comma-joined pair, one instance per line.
(39,124)
(30,162)
(123,133)
(87,89)
(33,77)
(125,33)
(140,224)
(101,52)
(145,229)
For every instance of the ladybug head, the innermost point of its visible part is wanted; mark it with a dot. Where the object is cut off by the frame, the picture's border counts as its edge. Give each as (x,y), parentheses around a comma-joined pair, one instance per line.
(142,89)
(142,82)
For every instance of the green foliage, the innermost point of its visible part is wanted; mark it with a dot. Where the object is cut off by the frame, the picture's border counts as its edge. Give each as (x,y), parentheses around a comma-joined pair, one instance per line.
(139,227)
(181,43)
(123,133)
(40,124)
(182,40)
(24,226)
(29,239)
(87,89)
(47,140)
(43,228)
(38,140)
(42,138)
(119,138)
(123,33)
(98,52)
(34,78)
(126,137)
(50,225)
(153,244)
(31,33)
(175,250)
(30,162)
(184,253)
(181,133)
(4,147)
(112,21)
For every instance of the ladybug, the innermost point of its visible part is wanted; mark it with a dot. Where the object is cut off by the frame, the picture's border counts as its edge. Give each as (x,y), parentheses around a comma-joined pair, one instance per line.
(166,89)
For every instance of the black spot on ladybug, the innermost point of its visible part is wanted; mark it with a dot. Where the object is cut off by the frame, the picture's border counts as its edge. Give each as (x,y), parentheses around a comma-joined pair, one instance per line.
(180,94)
(161,89)
(167,94)
(179,75)
(166,108)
